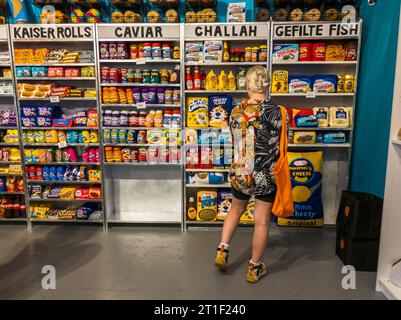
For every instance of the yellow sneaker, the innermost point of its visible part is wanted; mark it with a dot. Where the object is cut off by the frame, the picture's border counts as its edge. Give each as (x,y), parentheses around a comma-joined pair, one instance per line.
(221,261)
(255,273)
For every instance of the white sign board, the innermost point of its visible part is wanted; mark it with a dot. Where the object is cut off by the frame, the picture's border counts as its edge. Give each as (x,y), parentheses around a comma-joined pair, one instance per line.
(315,30)
(222,31)
(139,31)
(74,32)
(3,32)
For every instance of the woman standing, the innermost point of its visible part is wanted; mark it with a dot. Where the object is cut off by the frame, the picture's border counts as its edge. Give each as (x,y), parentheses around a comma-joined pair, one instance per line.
(256,128)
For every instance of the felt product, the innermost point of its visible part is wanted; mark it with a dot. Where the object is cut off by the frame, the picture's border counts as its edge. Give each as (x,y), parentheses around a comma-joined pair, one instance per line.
(285,52)
(219,111)
(299,84)
(325,83)
(280,81)
(206,205)
(197,112)
(77,16)
(306,171)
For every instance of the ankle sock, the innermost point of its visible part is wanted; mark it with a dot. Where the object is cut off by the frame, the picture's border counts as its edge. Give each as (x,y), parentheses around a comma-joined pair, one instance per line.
(254,263)
(225,245)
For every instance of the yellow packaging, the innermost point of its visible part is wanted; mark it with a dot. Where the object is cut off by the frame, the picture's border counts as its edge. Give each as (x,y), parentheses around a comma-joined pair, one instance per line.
(339,117)
(15,169)
(223,81)
(191,136)
(173,137)
(206,205)
(304,137)
(157,136)
(28,155)
(94,175)
(323,116)
(4,170)
(61,136)
(86,137)
(212,82)
(94,137)
(232,83)
(40,212)
(198,112)
(14,154)
(40,136)
(51,136)
(349,83)
(280,81)
(67,193)
(247,216)
(11,136)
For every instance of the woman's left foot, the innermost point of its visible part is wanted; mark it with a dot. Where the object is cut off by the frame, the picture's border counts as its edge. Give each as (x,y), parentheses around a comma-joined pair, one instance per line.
(256,272)
(221,260)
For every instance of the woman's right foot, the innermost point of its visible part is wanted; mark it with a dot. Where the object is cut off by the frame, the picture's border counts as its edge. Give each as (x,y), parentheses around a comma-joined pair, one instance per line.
(221,261)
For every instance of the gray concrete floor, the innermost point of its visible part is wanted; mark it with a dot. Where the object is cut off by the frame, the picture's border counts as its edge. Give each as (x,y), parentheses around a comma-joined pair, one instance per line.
(148,263)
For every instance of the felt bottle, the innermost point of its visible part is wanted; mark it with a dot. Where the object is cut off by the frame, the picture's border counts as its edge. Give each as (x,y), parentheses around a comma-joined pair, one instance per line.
(223,81)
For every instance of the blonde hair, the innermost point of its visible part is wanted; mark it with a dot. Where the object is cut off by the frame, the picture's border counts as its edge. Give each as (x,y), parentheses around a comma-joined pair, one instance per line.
(257,79)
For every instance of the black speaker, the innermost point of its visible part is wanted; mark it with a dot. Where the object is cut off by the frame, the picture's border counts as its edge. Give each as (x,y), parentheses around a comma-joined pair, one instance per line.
(359,216)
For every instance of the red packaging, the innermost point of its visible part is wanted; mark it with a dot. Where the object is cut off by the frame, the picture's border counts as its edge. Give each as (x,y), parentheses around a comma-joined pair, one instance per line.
(142,155)
(174,155)
(114,75)
(141,137)
(319,51)
(305,51)
(133,119)
(206,158)
(39,173)
(57,72)
(1,154)
(153,155)
(134,155)
(31,173)
(123,75)
(72,72)
(105,72)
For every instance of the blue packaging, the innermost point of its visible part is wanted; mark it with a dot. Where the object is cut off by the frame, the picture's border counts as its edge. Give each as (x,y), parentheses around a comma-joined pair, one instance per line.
(39,72)
(44,111)
(325,83)
(334,137)
(218,157)
(53,173)
(23,72)
(204,136)
(46,173)
(28,122)
(216,178)
(60,173)
(220,108)
(3,184)
(306,121)
(75,174)
(80,137)
(72,137)
(29,111)
(225,137)
(68,174)
(44,121)
(299,84)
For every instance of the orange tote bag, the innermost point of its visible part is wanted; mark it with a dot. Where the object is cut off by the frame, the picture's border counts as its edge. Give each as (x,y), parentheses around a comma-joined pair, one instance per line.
(284,204)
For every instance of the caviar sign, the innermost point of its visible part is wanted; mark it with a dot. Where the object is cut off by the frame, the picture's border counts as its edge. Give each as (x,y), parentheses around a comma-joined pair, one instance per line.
(224,31)
(52,32)
(139,31)
(326,30)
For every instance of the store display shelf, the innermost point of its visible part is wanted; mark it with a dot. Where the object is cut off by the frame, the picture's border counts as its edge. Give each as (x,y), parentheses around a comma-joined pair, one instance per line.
(138,128)
(214,223)
(320,129)
(63,164)
(67,221)
(5,79)
(9,162)
(207,170)
(207,128)
(6,95)
(141,62)
(56,79)
(145,106)
(64,200)
(56,65)
(150,85)
(13,220)
(320,145)
(10,174)
(12,193)
(63,182)
(318,63)
(221,145)
(140,145)
(189,92)
(198,185)
(56,145)
(8,128)
(5,64)
(61,99)
(138,164)
(304,95)
(3,144)
(396,142)
(234,64)
(61,128)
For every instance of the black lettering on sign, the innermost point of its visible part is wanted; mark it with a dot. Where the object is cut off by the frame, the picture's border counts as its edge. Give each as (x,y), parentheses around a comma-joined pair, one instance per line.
(226,31)
(316,30)
(52,33)
(138,32)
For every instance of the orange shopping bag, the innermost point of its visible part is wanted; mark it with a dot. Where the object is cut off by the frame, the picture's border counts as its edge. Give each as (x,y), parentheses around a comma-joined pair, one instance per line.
(283,204)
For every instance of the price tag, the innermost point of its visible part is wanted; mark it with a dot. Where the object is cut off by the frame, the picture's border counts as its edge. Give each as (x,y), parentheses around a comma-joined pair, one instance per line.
(141,61)
(54,99)
(141,105)
(311,95)
(62,144)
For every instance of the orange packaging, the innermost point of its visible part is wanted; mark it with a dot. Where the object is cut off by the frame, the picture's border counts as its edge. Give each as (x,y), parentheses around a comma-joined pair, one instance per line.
(117,154)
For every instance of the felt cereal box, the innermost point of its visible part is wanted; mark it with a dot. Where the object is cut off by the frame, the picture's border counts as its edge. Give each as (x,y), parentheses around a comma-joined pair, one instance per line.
(197,112)
(280,81)
(219,110)
(207,205)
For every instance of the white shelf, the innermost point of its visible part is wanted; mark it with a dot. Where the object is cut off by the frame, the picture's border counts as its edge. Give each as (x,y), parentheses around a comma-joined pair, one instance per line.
(6,95)
(61,128)
(189,92)
(63,182)
(140,145)
(63,163)
(320,145)
(221,145)
(67,221)
(318,63)
(59,64)
(56,144)
(138,128)
(155,61)
(145,85)
(5,79)
(207,170)
(304,95)
(320,129)
(390,290)
(64,200)
(152,105)
(61,99)
(8,128)
(56,78)
(13,219)
(234,64)
(196,185)
(138,164)
(3,144)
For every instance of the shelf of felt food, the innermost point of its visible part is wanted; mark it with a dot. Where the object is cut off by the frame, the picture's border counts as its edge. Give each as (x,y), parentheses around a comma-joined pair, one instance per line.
(141,106)
(60,64)
(56,79)
(139,61)
(128,84)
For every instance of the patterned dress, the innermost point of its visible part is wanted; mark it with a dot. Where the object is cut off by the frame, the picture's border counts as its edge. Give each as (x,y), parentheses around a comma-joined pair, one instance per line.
(256,133)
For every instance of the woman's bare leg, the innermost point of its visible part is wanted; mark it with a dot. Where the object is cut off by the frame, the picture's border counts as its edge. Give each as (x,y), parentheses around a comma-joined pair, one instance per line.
(237,208)
(261,233)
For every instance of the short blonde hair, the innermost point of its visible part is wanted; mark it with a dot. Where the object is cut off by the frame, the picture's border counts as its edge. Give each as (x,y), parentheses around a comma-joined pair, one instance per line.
(257,79)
